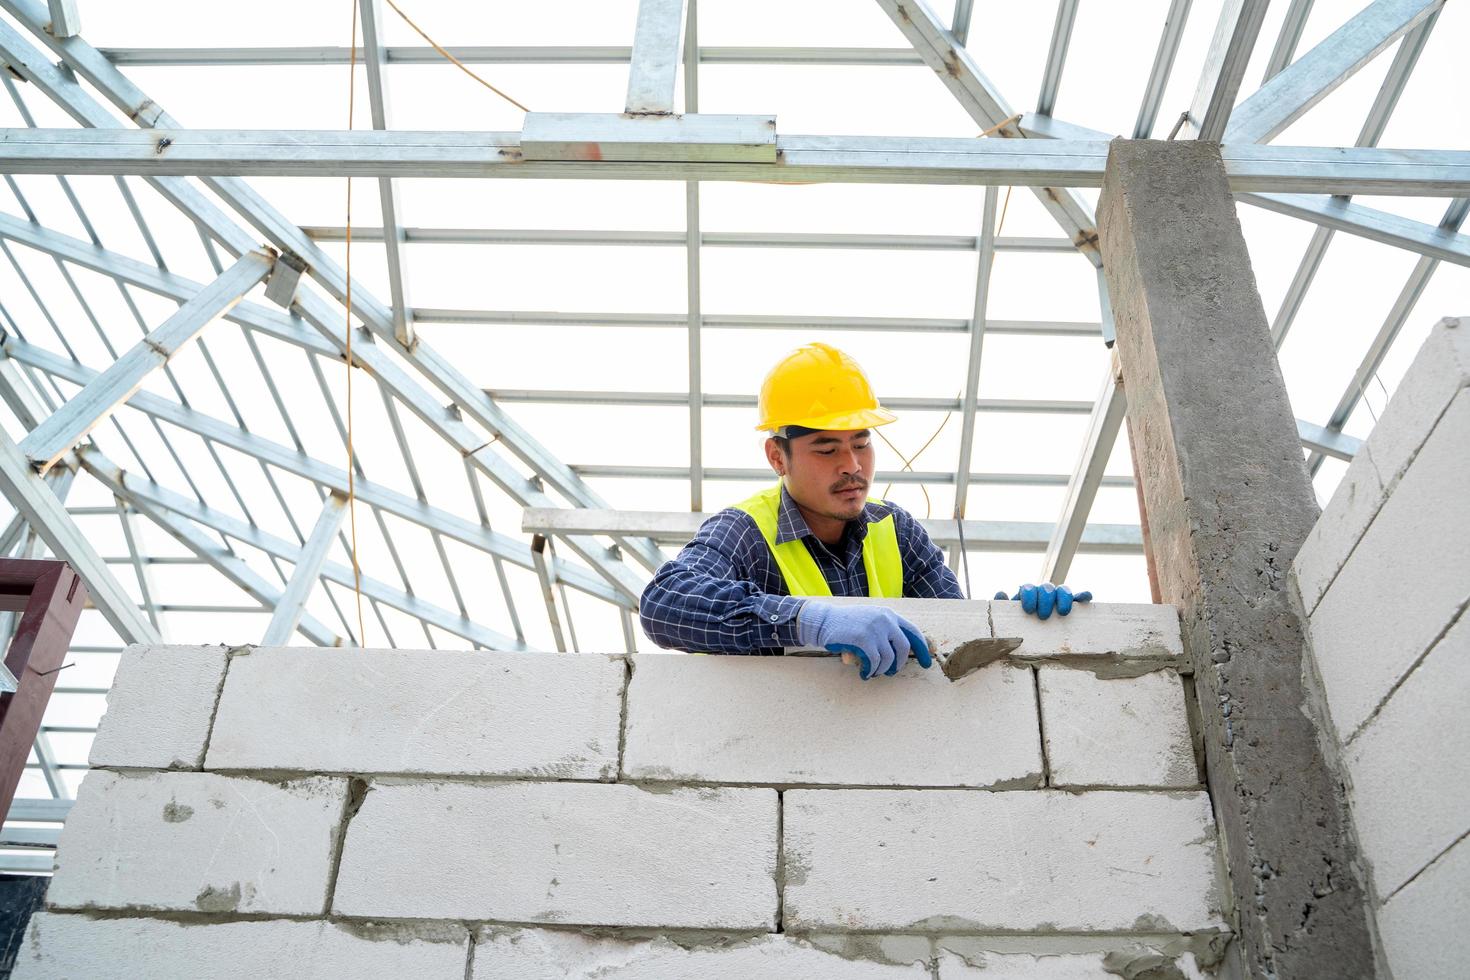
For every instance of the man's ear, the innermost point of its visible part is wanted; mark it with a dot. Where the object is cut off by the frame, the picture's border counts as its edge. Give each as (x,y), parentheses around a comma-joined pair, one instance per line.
(775,457)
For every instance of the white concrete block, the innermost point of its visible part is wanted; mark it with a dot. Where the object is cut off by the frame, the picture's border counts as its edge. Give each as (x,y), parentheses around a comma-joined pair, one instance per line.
(159,707)
(1119,631)
(1414,759)
(198,842)
(575,853)
(1423,927)
(432,712)
(60,946)
(1347,515)
(1408,577)
(963,861)
(798,720)
(540,954)
(1441,370)
(1129,731)
(1122,631)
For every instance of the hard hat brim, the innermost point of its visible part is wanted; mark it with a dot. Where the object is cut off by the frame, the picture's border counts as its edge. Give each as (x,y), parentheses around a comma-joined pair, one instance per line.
(866,418)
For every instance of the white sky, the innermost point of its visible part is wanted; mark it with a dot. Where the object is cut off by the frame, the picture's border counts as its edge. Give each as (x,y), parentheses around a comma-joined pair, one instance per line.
(1111,52)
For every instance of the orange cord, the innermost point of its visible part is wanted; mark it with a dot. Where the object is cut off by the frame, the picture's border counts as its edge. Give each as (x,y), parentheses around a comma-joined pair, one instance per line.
(459,64)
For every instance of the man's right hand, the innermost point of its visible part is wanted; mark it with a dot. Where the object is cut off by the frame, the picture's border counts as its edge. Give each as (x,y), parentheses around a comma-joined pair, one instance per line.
(879,637)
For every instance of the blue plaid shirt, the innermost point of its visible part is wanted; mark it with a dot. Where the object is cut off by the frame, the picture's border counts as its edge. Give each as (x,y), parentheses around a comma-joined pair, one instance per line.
(725,594)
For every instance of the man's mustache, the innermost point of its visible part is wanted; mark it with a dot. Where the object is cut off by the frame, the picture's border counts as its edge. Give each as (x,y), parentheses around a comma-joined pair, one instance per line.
(850,485)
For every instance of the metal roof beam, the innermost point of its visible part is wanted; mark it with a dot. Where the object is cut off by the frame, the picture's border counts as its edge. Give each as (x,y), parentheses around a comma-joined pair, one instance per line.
(715,239)
(1087,477)
(678,527)
(292,603)
(83,59)
(986,256)
(1308,80)
(174,512)
(1163,67)
(1387,99)
(49,519)
(654,67)
(1288,39)
(370,12)
(313,470)
(1378,348)
(1224,69)
(1036,163)
(753,321)
(1056,56)
(88,408)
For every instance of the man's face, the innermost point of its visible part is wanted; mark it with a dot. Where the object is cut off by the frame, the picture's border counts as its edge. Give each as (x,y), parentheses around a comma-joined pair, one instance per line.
(827,472)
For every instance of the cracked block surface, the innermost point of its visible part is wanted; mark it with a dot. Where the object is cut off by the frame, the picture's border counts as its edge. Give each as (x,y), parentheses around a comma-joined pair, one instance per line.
(59,946)
(538,954)
(1379,616)
(1407,808)
(159,707)
(1121,732)
(441,712)
(1119,630)
(800,720)
(198,842)
(964,861)
(574,853)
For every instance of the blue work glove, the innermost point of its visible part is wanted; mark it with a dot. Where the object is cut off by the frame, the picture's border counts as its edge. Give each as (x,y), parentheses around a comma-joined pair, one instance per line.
(879,637)
(1042,599)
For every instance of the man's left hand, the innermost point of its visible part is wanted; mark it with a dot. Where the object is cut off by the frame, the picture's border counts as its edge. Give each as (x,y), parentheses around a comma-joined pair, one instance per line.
(1043,599)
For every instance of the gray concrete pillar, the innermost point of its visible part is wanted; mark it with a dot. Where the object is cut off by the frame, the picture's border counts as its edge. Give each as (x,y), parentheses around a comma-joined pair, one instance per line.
(1229,503)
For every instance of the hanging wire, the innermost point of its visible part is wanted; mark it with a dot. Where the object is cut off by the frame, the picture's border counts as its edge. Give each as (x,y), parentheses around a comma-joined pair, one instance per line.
(351,482)
(459,64)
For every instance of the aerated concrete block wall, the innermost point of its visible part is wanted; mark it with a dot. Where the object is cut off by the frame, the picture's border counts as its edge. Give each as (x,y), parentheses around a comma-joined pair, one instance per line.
(313,812)
(1385,579)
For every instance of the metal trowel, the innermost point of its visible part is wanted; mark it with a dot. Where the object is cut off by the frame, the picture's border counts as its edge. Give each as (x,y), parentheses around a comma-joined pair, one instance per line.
(963,661)
(969,657)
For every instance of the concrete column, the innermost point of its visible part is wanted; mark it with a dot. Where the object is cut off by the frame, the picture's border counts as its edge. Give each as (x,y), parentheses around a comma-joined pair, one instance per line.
(1229,503)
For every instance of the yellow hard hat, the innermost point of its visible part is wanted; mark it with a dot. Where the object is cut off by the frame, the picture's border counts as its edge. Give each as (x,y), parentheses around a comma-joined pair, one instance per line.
(819,387)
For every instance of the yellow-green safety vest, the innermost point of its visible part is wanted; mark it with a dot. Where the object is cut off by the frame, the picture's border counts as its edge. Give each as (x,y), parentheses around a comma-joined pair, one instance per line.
(881,557)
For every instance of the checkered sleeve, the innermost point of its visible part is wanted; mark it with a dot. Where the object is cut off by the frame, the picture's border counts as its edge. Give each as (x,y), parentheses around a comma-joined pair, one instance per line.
(925,575)
(709,599)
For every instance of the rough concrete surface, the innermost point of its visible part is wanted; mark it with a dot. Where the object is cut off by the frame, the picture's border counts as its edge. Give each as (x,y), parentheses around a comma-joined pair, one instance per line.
(1229,503)
(159,707)
(964,861)
(1406,580)
(540,954)
(198,842)
(443,712)
(1410,767)
(571,853)
(1122,732)
(62,946)
(1423,927)
(795,720)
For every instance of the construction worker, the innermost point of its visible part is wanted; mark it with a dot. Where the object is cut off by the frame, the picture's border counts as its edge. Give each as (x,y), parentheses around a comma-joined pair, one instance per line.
(741,585)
